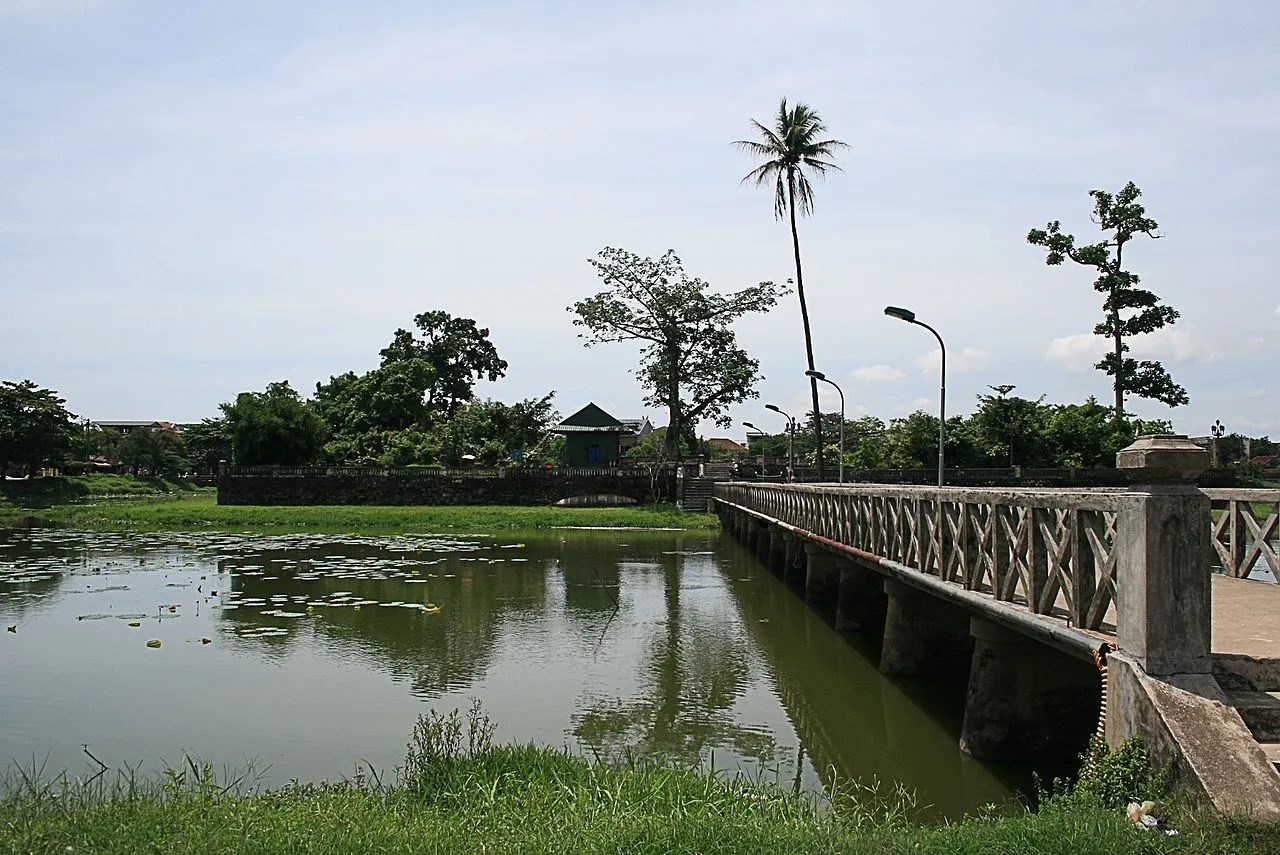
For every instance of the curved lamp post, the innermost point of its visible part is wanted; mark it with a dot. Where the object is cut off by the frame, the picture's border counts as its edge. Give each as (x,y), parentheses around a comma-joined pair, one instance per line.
(818,375)
(791,441)
(1217,430)
(910,317)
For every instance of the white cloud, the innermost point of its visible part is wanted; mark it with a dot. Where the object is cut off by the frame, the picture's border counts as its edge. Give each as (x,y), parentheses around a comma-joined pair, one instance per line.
(962,362)
(878,373)
(1077,353)
(1250,426)
(1278,311)
(1080,352)
(926,404)
(1256,394)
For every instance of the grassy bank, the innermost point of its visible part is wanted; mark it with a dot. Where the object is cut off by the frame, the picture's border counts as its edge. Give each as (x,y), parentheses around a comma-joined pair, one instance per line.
(533,799)
(41,493)
(149,508)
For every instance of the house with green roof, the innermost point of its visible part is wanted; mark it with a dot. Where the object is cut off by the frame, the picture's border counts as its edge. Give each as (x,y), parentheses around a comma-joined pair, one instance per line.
(592,437)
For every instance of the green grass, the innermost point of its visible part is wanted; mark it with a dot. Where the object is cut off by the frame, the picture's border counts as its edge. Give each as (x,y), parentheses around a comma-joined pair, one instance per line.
(198,510)
(533,799)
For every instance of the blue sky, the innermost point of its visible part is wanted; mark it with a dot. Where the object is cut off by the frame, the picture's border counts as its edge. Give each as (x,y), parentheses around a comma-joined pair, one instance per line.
(198,199)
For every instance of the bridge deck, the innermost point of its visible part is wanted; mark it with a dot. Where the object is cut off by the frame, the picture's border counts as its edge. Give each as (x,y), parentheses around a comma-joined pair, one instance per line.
(1246,617)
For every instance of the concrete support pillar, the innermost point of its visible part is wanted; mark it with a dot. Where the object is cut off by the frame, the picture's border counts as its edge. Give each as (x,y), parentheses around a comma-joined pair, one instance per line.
(755,530)
(764,537)
(861,603)
(1163,548)
(791,556)
(822,578)
(1025,700)
(777,549)
(922,634)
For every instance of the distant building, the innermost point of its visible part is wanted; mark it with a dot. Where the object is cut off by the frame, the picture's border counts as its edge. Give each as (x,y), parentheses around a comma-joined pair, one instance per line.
(726,444)
(124,428)
(595,438)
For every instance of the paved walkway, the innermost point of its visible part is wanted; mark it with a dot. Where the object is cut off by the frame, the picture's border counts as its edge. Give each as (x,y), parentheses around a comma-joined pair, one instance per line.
(1246,617)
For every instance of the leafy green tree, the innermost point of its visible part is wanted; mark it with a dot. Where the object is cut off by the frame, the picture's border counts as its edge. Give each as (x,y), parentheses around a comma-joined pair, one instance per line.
(1009,431)
(912,442)
(35,427)
(1086,435)
(153,451)
(275,426)
(1129,310)
(793,144)
(208,444)
(690,361)
(493,432)
(456,352)
(365,414)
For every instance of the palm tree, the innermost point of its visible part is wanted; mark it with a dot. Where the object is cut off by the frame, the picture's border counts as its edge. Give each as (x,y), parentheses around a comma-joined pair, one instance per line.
(792,144)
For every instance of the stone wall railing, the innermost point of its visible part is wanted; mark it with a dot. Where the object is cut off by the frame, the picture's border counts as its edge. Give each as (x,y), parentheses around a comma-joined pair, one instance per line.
(1050,551)
(1241,540)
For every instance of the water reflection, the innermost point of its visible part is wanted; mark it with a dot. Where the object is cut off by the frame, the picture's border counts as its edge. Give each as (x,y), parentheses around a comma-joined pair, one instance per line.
(322,650)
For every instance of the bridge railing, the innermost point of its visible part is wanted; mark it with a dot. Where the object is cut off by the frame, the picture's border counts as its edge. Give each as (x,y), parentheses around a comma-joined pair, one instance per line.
(1246,522)
(1051,551)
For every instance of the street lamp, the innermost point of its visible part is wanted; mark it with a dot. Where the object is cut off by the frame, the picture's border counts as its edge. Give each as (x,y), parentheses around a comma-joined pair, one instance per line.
(791,441)
(910,317)
(818,375)
(1218,430)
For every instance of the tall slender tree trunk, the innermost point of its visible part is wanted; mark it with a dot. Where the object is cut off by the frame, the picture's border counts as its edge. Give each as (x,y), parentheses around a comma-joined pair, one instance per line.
(808,337)
(675,424)
(1119,343)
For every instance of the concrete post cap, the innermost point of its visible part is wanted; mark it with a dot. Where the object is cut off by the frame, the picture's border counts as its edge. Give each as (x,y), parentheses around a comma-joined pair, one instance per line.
(1162,459)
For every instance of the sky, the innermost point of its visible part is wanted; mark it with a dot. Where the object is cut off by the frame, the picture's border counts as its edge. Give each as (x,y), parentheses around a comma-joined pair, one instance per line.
(199,199)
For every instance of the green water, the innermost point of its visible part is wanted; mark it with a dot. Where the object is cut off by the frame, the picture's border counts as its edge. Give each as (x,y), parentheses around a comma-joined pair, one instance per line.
(309,657)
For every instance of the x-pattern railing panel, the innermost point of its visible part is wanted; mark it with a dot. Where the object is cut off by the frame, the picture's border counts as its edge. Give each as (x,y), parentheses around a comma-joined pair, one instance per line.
(1052,552)
(1241,536)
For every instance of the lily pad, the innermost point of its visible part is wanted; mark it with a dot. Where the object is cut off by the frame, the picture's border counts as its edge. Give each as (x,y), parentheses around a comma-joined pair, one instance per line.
(155,642)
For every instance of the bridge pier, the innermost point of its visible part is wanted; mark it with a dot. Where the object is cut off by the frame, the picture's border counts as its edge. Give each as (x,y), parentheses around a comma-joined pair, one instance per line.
(922,634)
(822,579)
(777,549)
(861,603)
(1025,700)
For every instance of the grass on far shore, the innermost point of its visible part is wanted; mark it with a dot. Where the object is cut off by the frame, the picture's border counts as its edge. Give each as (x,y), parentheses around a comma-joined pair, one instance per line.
(458,793)
(124,503)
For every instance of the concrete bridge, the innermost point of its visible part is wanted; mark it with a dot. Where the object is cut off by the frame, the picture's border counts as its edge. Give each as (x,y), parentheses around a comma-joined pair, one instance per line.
(1036,594)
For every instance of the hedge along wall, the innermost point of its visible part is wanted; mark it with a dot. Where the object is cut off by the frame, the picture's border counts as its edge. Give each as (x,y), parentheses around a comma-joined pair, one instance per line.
(515,487)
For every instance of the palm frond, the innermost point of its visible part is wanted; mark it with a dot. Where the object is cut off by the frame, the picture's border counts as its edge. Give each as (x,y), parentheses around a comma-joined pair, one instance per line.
(795,143)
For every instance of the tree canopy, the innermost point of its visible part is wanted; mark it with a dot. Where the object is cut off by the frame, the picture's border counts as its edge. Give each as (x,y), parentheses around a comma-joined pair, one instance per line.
(275,426)
(1128,310)
(456,354)
(690,361)
(35,428)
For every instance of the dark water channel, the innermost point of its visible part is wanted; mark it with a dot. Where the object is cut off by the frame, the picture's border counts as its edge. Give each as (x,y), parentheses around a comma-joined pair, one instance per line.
(312,655)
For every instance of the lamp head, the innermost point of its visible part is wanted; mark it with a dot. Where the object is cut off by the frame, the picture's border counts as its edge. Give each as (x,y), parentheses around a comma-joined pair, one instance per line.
(816,375)
(900,313)
(753,427)
(774,408)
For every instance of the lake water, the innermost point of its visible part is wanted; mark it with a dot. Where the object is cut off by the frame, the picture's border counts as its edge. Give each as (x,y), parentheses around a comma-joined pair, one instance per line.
(311,656)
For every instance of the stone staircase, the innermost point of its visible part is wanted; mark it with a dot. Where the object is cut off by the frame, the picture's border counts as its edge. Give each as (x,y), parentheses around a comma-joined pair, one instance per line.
(1253,689)
(696,492)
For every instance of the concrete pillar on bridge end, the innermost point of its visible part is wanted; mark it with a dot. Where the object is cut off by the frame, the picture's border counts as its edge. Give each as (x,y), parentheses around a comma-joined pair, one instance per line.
(1163,608)
(922,634)
(862,602)
(822,578)
(1026,701)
